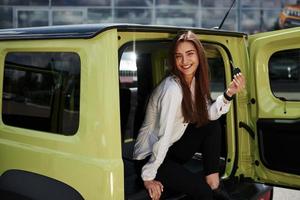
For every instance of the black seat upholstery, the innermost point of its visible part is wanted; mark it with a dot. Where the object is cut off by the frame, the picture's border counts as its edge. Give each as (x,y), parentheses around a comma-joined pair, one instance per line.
(145,86)
(125,100)
(134,190)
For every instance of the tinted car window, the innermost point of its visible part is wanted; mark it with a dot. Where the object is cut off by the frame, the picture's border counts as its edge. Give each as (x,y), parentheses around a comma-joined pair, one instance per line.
(41,91)
(284,73)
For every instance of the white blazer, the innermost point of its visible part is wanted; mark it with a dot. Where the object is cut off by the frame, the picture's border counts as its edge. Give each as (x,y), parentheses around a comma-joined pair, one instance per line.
(164,123)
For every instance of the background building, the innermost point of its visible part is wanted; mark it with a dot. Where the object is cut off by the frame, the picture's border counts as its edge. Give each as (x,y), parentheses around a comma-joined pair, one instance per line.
(247,15)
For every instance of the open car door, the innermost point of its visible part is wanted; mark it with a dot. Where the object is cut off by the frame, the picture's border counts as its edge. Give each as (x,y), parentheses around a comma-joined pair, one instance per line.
(275,106)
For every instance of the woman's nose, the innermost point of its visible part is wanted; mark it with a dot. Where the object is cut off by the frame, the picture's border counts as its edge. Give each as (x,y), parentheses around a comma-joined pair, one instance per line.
(184,60)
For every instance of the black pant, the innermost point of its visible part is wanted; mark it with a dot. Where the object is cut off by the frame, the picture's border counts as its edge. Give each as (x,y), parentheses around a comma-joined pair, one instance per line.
(172,173)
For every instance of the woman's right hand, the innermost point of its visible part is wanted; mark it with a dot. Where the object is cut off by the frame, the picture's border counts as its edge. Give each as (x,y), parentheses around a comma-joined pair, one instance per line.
(155,188)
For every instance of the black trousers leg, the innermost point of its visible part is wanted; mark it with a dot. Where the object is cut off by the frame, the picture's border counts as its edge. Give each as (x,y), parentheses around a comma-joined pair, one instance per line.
(205,139)
(176,178)
(211,148)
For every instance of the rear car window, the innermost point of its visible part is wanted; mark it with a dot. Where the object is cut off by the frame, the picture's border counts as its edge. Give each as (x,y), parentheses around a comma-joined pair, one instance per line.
(284,73)
(41,91)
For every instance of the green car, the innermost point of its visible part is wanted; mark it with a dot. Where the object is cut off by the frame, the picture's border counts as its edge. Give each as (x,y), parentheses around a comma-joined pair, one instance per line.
(73,99)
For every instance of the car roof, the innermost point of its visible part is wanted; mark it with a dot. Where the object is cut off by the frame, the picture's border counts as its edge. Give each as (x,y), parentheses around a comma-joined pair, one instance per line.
(91,30)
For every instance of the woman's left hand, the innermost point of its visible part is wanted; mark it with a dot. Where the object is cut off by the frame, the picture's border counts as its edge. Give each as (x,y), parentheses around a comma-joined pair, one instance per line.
(236,85)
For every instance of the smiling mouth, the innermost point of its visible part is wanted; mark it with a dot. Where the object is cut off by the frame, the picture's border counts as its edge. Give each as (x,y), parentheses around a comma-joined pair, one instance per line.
(186,66)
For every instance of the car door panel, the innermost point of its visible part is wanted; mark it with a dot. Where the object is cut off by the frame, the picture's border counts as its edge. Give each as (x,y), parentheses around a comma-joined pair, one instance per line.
(274,59)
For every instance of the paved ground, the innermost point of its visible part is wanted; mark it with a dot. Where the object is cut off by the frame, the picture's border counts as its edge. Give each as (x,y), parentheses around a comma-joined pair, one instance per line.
(286,194)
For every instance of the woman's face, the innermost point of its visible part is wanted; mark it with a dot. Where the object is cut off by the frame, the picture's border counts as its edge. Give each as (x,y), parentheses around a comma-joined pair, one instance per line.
(186,60)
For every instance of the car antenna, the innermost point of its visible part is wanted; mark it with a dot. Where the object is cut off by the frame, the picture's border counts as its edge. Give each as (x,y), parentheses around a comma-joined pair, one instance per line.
(220,26)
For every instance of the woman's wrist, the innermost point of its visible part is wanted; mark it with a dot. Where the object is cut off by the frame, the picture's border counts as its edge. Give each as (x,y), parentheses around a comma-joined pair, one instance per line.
(228,95)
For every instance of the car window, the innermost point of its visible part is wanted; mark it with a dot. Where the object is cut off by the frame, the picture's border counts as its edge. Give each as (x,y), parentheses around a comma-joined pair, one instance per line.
(216,69)
(284,73)
(41,91)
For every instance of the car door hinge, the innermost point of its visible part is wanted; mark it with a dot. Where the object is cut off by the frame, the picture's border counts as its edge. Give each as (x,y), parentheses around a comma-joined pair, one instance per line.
(248,129)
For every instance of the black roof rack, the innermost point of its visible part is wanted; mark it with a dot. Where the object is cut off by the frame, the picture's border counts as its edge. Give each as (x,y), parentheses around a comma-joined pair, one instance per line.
(91,30)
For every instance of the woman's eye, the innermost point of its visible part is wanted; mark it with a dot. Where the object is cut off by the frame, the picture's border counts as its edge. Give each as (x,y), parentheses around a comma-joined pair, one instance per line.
(190,54)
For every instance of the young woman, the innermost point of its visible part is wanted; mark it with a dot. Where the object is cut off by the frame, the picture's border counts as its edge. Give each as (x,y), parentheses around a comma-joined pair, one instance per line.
(181,120)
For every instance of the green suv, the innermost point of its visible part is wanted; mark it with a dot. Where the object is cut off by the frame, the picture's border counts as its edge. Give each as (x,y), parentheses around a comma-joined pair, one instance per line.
(73,99)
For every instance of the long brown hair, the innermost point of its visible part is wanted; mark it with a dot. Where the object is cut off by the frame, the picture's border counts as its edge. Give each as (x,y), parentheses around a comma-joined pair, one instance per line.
(193,111)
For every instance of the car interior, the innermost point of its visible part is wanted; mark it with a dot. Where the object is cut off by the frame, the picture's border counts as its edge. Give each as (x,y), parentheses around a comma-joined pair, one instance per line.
(142,66)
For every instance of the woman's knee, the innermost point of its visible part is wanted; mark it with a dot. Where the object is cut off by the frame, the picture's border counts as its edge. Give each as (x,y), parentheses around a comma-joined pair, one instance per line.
(213,180)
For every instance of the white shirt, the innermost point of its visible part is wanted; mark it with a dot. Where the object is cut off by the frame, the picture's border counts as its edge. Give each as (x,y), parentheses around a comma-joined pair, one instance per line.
(164,123)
